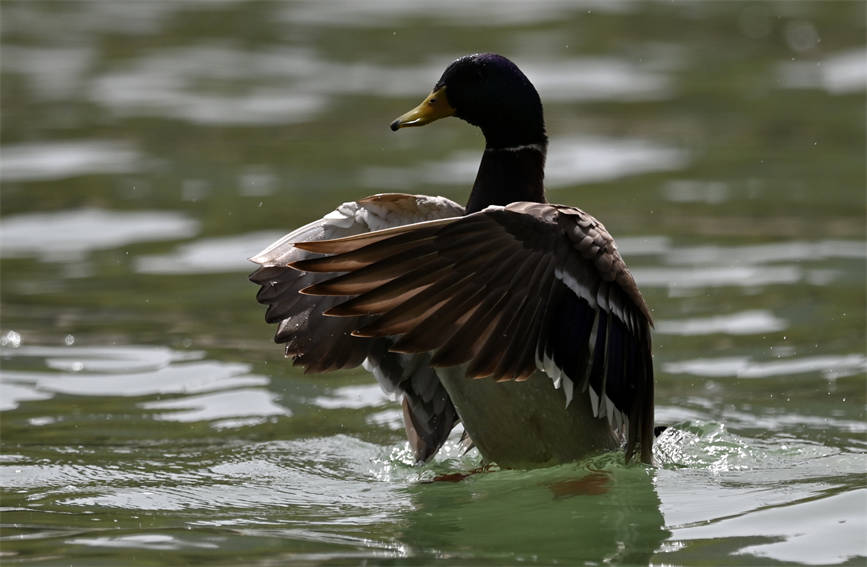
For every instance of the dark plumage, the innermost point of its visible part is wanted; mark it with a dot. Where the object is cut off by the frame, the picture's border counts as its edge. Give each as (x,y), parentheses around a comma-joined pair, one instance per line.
(503,292)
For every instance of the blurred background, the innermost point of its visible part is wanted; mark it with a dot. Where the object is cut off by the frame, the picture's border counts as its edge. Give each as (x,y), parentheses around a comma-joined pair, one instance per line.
(147,148)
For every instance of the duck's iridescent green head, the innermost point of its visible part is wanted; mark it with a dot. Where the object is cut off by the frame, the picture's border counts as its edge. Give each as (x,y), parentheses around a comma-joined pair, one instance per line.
(488,91)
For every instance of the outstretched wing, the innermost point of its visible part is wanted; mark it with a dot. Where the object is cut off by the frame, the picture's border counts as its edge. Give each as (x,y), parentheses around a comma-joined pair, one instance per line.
(505,291)
(320,344)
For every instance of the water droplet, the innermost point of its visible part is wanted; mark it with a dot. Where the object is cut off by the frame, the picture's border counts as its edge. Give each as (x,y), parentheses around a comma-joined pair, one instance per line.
(801,36)
(69,340)
(11,339)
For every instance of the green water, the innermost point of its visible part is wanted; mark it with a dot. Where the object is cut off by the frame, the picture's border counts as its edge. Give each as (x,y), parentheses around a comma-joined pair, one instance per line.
(148,148)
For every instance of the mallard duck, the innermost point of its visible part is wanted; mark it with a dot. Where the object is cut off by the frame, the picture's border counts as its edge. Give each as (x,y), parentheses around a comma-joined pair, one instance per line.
(512,315)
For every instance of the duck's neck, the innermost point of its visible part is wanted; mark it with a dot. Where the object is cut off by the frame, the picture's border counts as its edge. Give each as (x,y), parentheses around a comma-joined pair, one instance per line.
(509,174)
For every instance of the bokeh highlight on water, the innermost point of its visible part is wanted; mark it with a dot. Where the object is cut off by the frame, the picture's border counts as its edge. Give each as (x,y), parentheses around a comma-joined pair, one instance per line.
(148,148)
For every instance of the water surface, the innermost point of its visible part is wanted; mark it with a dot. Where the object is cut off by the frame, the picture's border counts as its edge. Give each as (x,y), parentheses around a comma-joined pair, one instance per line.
(148,148)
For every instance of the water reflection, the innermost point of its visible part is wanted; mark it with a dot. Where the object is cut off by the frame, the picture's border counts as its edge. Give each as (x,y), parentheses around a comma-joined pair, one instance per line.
(839,74)
(59,160)
(570,161)
(743,323)
(168,84)
(605,79)
(717,276)
(792,250)
(289,85)
(278,86)
(740,212)
(54,73)
(353,397)
(159,542)
(74,233)
(346,13)
(815,531)
(208,255)
(127,371)
(491,517)
(217,407)
(831,366)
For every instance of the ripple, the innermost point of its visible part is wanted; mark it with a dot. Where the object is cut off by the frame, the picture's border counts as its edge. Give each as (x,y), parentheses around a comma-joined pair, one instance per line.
(831,367)
(309,476)
(570,161)
(793,250)
(167,83)
(177,379)
(161,542)
(55,73)
(346,13)
(118,371)
(777,263)
(292,85)
(745,255)
(131,358)
(86,230)
(599,78)
(11,395)
(743,493)
(208,255)
(643,245)
(390,418)
(838,74)
(60,160)
(744,323)
(242,402)
(717,276)
(695,191)
(353,397)
(815,531)
(784,421)
(705,446)
(73,23)
(67,477)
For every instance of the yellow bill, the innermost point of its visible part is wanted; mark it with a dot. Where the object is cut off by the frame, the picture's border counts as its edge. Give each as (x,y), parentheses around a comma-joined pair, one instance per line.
(434,107)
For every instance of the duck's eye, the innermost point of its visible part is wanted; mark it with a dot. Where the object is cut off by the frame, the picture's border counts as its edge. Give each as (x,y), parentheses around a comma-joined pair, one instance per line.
(432,101)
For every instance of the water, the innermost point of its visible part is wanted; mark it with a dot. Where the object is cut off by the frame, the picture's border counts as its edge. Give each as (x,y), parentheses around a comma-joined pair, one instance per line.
(149,147)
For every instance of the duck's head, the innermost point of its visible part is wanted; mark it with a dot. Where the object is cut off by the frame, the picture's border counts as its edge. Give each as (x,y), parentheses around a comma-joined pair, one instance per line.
(488,91)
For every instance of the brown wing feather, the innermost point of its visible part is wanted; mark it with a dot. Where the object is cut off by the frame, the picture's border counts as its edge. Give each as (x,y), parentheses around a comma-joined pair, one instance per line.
(319,343)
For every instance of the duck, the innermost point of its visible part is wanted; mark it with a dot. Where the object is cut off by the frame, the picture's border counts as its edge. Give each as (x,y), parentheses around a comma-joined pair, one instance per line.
(513,316)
